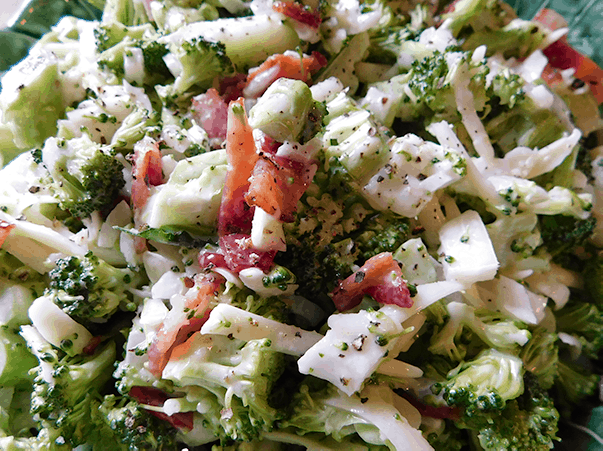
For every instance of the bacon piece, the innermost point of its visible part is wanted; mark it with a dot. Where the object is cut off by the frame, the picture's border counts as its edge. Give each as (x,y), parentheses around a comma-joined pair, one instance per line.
(240,254)
(441,412)
(146,172)
(231,88)
(235,215)
(152,396)
(299,13)
(211,113)
(170,336)
(278,184)
(379,277)
(281,65)
(563,56)
(5,229)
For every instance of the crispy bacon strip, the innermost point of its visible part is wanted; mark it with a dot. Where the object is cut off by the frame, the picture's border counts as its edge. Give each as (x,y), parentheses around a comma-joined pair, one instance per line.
(278,184)
(211,113)
(299,13)
(152,396)
(288,66)
(235,215)
(379,277)
(170,336)
(146,172)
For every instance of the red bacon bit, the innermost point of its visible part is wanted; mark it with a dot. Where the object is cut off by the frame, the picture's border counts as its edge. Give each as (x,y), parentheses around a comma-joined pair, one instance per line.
(441,413)
(235,215)
(277,185)
(5,229)
(151,396)
(380,277)
(563,56)
(167,339)
(231,88)
(90,348)
(289,66)
(299,13)
(210,111)
(239,253)
(146,172)
(209,260)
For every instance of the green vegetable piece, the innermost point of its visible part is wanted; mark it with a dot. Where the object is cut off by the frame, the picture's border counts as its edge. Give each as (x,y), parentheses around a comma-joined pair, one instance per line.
(89,288)
(282,111)
(30,108)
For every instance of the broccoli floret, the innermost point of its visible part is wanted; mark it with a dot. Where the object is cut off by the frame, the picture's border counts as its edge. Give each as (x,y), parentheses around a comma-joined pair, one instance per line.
(110,34)
(573,384)
(48,439)
(127,12)
(232,382)
(506,88)
(196,53)
(66,389)
(541,355)
(86,177)
(529,422)
(492,328)
(431,83)
(501,408)
(138,124)
(94,289)
(469,16)
(584,321)
(19,286)
(563,235)
(153,53)
(383,233)
(134,428)
(483,384)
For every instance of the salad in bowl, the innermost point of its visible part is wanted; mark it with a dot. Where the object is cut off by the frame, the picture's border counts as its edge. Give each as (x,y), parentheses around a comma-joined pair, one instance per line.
(270,225)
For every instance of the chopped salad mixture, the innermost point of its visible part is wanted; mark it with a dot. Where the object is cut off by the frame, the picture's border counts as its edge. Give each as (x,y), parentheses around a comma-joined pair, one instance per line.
(278,225)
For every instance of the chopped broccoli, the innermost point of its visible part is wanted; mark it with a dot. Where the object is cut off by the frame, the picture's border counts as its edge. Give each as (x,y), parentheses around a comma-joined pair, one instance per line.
(19,286)
(109,34)
(483,384)
(232,377)
(94,289)
(66,389)
(383,233)
(86,177)
(283,109)
(541,355)
(133,427)
(193,54)
(529,422)
(127,12)
(584,321)
(573,384)
(468,16)
(136,125)
(492,328)
(153,53)
(563,235)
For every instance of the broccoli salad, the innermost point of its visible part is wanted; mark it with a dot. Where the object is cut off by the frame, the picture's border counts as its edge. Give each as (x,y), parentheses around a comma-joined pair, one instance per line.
(236,225)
